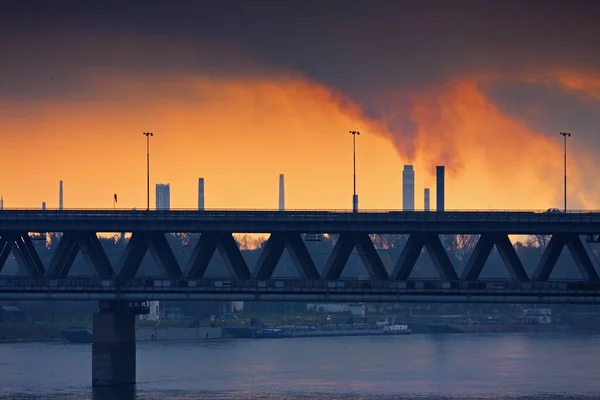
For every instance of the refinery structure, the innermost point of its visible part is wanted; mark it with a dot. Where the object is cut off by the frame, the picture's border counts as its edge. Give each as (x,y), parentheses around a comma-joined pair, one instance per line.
(163,193)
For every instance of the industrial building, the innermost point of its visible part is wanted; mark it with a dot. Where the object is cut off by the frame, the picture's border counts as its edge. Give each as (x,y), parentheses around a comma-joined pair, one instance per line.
(163,196)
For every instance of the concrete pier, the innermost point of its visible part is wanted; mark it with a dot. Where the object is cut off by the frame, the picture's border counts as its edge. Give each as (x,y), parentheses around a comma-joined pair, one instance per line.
(113,350)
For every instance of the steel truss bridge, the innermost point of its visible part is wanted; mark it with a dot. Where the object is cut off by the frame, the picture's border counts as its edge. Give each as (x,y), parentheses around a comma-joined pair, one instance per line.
(120,282)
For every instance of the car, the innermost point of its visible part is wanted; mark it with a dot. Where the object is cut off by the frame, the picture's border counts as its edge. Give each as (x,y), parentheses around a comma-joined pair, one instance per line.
(553,211)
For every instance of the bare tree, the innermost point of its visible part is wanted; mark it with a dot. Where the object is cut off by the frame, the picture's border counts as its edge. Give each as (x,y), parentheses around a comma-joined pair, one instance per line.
(459,247)
(250,242)
(465,244)
(388,242)
(540,241)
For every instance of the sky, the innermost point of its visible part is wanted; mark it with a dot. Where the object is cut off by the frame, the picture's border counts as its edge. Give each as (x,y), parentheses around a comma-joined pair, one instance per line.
(238,92)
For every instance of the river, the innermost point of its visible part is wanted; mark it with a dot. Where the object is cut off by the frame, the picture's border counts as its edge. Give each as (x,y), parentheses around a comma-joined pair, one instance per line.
(452,366)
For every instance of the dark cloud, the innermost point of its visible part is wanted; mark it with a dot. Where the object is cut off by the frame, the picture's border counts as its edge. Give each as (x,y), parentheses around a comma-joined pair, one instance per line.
(374,51)
(61,64)
(361,45)
(550,109)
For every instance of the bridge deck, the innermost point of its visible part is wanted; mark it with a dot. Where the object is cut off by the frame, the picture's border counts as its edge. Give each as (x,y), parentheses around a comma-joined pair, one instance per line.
(452,222)
(305,290)
(51,280)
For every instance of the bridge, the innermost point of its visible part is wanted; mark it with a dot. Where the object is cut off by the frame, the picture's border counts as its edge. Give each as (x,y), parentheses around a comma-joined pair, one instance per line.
(79,229)
(117,286)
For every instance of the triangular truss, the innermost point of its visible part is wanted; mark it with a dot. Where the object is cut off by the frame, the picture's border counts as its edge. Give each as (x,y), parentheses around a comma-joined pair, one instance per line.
(138,245)
(273,250)
(482,251)
(552,253)
(341,253)
(21,246)
(204,250)
(69,245)
(412,251)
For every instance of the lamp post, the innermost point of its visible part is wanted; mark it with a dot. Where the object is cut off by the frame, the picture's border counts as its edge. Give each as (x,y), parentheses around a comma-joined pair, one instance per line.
(354,196)
(148,134)
(565,135)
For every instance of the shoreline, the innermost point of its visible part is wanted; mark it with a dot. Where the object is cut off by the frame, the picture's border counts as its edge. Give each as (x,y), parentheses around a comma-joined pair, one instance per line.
(63,340)
(14,341)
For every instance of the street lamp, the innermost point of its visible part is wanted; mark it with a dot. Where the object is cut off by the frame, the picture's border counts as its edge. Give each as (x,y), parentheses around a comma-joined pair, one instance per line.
(565,135)
(354,196)
(148,134)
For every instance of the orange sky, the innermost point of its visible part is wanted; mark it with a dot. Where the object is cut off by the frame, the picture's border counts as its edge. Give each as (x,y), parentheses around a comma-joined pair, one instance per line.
(241,133)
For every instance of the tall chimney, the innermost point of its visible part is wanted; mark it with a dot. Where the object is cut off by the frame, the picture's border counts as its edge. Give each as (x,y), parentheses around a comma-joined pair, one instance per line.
(408,188)
(1,203)
(60,196)
(43,206)
(427,205)
(281,193)
(441,187)
(200,194)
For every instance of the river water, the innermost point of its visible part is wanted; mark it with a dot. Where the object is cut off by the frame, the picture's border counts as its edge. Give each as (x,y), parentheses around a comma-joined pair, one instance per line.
(453,366)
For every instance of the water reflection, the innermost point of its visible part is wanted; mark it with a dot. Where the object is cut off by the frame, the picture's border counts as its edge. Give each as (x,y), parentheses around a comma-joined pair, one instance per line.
(124,392)
(491,366)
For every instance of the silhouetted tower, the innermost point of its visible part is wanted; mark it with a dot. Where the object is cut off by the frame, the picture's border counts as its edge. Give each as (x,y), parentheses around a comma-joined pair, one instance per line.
(163,196)
(281,193)
(60,195)
(408,188)
(43,206)
(200,194)
(440,188)
(426,203)
(1,203)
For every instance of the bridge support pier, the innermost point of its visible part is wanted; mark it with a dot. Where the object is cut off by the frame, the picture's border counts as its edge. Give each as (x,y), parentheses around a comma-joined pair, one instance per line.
(113,350)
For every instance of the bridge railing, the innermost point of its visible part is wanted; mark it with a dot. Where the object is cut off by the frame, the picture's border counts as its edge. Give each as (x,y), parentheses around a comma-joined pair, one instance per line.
(145,284)
(298,215)
(294,210)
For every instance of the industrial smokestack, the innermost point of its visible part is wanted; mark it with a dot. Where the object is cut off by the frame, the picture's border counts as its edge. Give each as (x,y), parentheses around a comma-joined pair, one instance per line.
(427,206)
(1,203)
(43,206)
(200,194)
(281,193)
(60,196)
(408,188)
(441,187)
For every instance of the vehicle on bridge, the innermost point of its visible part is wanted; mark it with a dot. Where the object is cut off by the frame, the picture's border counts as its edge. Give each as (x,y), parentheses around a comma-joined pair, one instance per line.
(553,211)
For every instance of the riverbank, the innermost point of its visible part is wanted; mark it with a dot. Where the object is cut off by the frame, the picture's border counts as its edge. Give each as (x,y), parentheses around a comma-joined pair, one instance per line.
(25,333)
(14,332)
(47,340)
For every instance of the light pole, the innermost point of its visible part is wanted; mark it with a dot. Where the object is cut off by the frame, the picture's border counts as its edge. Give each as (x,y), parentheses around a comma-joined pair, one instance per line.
(354,196)
(565,135)
(148,134)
